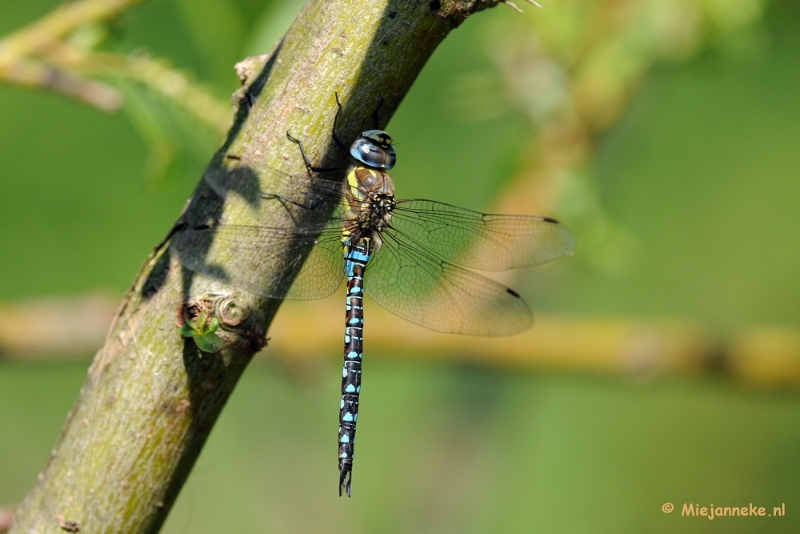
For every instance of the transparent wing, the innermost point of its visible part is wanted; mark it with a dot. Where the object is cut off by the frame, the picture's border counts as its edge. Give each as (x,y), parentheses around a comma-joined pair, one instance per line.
(438,295)
(264,260)
(481,241)
(323,271)
(299,262)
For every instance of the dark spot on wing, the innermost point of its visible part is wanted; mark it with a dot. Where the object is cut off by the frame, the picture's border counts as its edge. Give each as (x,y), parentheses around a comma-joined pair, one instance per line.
(513,293)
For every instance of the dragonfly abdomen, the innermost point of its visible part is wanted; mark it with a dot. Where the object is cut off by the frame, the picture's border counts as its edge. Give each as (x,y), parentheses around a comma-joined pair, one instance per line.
(356,258)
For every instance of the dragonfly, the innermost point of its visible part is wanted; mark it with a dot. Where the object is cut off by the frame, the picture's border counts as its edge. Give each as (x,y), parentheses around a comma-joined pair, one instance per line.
(412,256)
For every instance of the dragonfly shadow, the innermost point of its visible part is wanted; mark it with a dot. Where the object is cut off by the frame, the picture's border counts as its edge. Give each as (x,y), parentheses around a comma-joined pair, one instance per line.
(199,226)
(204,201)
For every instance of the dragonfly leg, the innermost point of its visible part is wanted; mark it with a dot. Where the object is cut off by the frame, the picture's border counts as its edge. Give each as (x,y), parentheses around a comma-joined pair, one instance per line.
(375,113)
(310,166)
(282,199)
(335,120)
(307,161)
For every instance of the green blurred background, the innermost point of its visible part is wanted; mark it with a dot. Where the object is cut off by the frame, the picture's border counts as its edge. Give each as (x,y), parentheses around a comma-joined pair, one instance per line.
(685,207)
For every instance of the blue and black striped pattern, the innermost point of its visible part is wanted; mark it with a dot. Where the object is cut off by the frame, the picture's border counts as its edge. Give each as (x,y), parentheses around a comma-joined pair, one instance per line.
(355,261)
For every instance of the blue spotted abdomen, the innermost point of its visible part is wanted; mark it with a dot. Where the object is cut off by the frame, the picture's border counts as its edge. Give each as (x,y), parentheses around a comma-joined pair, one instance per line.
(356,258)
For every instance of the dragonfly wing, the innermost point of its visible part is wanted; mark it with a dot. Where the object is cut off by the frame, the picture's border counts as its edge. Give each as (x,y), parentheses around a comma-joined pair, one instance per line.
(481,241)
(302,262)
(272,262)
(441,296)
(323,271)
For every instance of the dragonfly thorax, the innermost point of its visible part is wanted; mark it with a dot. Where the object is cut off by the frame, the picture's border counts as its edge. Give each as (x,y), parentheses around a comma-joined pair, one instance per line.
(379,213)
(374,149)
(365,182)
(369,204)
(371,217)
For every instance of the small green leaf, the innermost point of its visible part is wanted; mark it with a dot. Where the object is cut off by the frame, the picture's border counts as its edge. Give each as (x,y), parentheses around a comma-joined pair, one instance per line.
(209,342)
(187,331)
(213,325)
(202,330)
(191,324)
(201,322)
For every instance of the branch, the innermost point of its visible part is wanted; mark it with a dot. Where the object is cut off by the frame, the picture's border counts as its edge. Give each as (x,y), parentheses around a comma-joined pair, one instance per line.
(151,398)
(18,50)
(42,55)
(62,21)
(55,329)
(159,76)
(33,74)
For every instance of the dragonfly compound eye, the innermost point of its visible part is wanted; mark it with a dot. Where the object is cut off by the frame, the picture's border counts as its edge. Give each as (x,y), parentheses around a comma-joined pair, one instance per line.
(374,149)
(381,138)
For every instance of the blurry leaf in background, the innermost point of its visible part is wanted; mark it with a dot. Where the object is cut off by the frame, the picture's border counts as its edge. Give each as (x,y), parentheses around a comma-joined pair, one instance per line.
(177,142)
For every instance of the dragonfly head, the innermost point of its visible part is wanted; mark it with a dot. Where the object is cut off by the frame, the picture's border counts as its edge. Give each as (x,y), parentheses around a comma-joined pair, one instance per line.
(374,149)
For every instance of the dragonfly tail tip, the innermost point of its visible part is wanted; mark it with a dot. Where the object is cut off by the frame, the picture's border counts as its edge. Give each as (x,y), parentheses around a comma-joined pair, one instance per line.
(345,479)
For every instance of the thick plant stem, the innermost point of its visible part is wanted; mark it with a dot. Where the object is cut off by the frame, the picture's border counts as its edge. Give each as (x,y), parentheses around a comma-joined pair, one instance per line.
(151,397)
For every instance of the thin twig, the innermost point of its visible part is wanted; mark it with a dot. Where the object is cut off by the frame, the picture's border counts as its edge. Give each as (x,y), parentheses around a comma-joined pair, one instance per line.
(35,75)
(37,37)
(37,56)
